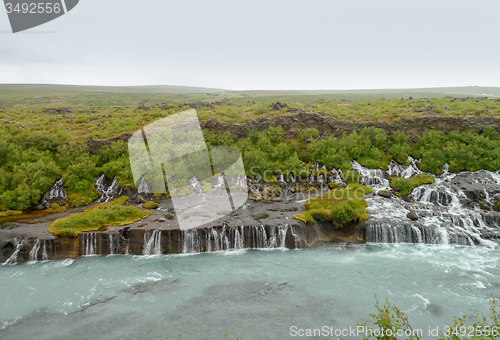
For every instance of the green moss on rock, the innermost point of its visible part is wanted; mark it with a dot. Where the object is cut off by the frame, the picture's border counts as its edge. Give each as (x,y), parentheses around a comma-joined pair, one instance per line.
(97,217)
(406,185)
(150,205)
(10,213)
(340,206)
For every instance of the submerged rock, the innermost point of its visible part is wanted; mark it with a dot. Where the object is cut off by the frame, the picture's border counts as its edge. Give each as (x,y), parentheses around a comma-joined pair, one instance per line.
(412,215)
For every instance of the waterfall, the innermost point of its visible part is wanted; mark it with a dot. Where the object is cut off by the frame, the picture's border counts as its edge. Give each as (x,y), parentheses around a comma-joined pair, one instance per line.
(13,258)
(447,211)
(228,239)
(275,237)
(45,256)
(238,238)
(142,186)
(108,193)
(405,171)
(220,183)
(296,237)
(194,184)
(388,233)
(374,178)
(152,246)
(191,241)
(335,176)
(111,240)
(57,192)
(33,256)
(89,241)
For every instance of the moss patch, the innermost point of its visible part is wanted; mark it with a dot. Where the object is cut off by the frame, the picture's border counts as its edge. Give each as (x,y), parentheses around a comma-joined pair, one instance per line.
(81,200)
(10,213)
(304,217)
(56,209)
(340,206)
(169,216)
(406,185)
(150,205)
(97,217)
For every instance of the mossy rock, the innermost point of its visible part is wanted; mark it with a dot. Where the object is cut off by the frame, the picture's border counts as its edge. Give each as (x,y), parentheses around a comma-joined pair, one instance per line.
(56,208)
(258,218)
(206,187)
(304,217)
(150,205)
(406,185)
(10,213)
(340,206)
(169,216)
(184,193)
(97,217)
(333,185)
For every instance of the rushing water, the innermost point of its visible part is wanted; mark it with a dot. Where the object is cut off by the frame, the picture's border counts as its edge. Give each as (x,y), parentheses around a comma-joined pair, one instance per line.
(260,293)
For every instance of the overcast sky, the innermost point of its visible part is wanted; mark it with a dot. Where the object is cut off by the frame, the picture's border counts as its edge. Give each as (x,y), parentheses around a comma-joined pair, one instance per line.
(235,44)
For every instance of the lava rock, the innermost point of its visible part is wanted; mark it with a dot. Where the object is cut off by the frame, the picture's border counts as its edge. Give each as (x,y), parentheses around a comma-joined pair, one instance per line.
(385,193)
(412,215)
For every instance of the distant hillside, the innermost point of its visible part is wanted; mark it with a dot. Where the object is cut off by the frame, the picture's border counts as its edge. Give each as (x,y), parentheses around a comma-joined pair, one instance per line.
(172,89)
(77,95)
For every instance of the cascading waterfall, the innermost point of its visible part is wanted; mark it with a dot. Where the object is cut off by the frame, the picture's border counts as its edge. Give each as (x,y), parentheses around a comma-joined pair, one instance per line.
(296,238)
(111,240)
(402,170)
(56,192)
(142,186)
(89,241)
(238,238)
(191,241)
(108,193)
(13,258)
(374,178)
(152,246)
(33,256)
(445,213)
(45,256)
(244,237)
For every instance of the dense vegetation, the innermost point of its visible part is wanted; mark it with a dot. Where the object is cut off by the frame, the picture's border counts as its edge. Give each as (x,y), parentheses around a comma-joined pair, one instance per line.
(341,206)
(38,147)
(97,217)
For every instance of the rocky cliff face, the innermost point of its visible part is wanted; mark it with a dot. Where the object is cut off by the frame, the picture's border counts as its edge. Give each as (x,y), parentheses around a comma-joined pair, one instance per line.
(456,209)
(292,124)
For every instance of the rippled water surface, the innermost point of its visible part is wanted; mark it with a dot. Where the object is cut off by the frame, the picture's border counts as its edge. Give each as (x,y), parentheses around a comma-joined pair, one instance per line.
(260,293)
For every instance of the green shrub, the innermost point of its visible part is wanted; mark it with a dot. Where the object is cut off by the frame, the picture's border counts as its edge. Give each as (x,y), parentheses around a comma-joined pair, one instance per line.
(308,134)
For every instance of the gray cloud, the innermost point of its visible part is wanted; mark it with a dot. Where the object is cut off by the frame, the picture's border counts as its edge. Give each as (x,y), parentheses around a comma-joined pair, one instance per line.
(261,44)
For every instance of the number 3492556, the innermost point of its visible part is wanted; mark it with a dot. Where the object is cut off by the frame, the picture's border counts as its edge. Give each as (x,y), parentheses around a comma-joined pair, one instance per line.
(33,8)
